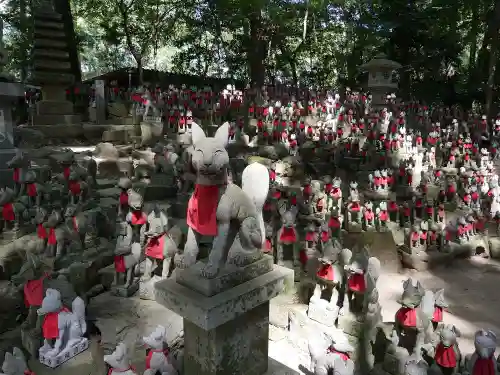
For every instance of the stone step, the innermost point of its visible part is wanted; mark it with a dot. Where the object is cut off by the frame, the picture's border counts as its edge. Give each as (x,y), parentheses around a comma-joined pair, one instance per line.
(50,53)
(43,24)
(49,33)
(52,65)
(53,78)
(60,120)
(50,43)
(47,15)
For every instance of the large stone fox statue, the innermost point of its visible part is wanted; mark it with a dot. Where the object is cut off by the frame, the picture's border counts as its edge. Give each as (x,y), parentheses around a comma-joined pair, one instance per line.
(221,209)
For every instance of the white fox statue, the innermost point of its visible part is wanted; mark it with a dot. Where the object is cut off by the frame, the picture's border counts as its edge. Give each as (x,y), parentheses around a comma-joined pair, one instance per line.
(216,204)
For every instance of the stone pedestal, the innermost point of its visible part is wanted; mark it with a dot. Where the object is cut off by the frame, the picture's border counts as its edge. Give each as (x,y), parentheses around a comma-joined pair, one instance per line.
(226,319)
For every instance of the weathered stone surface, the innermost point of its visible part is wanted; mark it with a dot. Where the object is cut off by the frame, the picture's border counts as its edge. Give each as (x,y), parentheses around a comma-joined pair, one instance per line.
(229,277)
(322,312)
(276,334)
(106,150)
(108,168)
(12,304)
(494,247)
(350,324)
(211,312)
(239,346)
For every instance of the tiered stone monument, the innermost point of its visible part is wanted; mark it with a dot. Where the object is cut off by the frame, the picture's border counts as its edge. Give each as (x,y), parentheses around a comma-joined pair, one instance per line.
(381,79)
(9,92)
(51,69)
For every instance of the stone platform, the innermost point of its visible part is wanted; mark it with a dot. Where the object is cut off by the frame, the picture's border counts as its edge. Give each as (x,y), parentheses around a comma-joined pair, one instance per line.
(226,324)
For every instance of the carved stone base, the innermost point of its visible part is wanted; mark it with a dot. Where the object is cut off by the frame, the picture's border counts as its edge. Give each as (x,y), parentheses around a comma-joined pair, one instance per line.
(65,355)
(147,288)
(7,236)
(354,227)
(31,342)
(228,277)
(226,333)
(121,291)
(323,312)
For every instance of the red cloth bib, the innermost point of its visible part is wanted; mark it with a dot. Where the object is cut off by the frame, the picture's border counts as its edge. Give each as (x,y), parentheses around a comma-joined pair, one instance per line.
(369,215)
(325,236)
(357,283)
(437,317)
(33,292)
(303,257)
(445,356)
(288,235)
(31,190)
(8,212)
(123,198)
(407,317)
(150,356)
(334,222)
(343,356)
(310,236)
(52,240)
(484,366)
(268,246)
(154,247)
(138,218)
(16,175)
(41,232)
(66,172)
(74,187)
(355,207)
(120,264)
(202,209)
(75,224)
(307,190)
(326,272)
(50,326)
(383,215)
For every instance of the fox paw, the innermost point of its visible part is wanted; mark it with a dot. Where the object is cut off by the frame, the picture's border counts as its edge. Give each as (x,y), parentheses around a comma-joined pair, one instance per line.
(209,271)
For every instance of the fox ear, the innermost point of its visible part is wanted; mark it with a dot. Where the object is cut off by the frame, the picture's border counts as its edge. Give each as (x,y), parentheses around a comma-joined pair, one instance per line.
(222,134)
(197,133)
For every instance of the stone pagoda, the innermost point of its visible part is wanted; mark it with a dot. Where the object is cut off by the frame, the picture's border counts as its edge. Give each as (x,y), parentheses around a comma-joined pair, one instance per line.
(51,70)
(381,78)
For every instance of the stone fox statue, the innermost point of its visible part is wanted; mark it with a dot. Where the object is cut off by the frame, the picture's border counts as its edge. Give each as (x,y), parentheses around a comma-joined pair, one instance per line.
(221,209)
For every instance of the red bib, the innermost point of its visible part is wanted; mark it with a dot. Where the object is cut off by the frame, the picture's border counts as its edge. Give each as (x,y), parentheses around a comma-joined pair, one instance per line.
(138,218)
(31,190)
(33,292)
(50,324)
(325,236)
(123,198)
(75,224)
(326,272)
(8,212)
(202,209)
(355,207)
(288,235)
(484,366)
(311,236)
(74,187)
(52,237)
(343,356)
(41,232)
(383,216)
(66,172)
(303,257)
(267,246)
(437,317)
(334,222)
(357,283)
(445,356)
(154,247)
(150,356)
(16,175)
(407,317)
(120,264)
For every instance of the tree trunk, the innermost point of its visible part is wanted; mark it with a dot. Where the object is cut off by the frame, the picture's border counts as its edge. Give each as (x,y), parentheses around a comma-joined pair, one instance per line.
(491,74)
(473,41)
(256,50)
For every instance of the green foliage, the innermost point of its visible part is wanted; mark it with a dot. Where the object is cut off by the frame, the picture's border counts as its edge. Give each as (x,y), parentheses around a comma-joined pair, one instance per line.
(445,46)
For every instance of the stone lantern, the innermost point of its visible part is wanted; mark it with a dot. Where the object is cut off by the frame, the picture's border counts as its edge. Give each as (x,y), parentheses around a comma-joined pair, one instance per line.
(381,78)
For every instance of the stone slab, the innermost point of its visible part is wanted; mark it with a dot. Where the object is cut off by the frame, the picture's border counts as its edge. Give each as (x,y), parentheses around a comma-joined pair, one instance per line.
(320,312)
(229,277)
(121,291)
(211,312)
